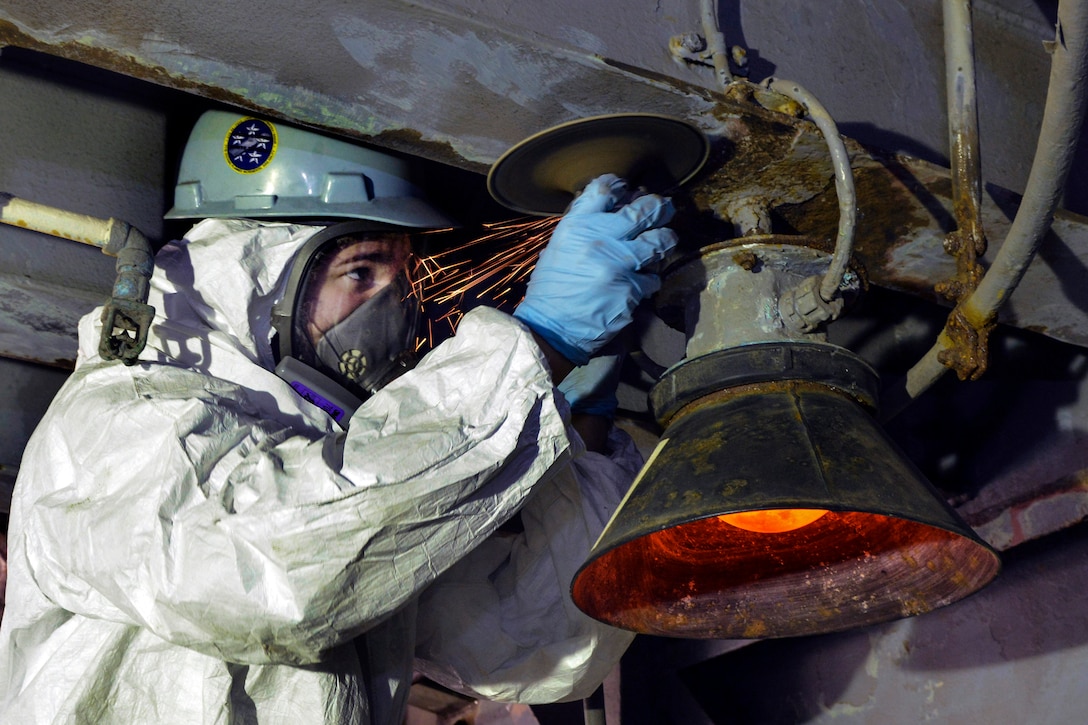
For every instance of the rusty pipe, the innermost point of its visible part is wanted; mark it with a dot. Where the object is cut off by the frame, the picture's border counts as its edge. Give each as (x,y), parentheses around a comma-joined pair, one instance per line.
(969,356)
(963,137)
(56,222)
(1063,116)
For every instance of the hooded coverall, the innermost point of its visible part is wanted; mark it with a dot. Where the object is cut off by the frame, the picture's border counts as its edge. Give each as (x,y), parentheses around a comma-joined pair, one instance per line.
(191,542)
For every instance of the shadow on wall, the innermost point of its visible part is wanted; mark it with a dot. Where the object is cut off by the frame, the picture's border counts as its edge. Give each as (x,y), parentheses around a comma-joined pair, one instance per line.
(892,142)
(1022,420)
(3,562)
(1030,624)
(729,20)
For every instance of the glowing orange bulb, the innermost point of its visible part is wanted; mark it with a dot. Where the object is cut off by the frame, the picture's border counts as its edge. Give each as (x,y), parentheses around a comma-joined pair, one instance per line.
(773,521)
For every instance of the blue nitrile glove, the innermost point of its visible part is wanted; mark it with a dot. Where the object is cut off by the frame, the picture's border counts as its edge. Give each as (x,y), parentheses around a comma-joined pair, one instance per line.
(591,388)
(589,278)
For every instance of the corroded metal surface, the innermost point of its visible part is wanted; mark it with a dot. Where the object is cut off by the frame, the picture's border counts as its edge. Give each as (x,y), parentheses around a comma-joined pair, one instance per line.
(721,302)
(905,213)
(667,564)
(968,354)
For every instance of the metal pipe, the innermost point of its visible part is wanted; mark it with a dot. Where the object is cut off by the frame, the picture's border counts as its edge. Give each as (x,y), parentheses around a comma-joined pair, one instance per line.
(963,138)
(715,41)
(126,317)
(1063,117)
(56,222)
(844,182)
(967,243)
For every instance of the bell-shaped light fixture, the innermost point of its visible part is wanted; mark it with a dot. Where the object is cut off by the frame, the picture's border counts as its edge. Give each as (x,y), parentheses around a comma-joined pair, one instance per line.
(774,504)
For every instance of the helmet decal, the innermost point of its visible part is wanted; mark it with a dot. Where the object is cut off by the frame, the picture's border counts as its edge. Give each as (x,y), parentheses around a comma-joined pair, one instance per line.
(250,145)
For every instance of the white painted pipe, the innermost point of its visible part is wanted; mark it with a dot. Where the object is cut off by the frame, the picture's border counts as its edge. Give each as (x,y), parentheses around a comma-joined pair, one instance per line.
(55,222)
(963,137)
(715,42)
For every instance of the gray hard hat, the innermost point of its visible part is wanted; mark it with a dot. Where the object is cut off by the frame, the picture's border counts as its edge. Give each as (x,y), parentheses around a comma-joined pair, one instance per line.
(240,166)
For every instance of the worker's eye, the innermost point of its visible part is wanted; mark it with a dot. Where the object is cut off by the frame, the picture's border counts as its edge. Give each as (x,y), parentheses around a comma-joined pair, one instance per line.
(363,274)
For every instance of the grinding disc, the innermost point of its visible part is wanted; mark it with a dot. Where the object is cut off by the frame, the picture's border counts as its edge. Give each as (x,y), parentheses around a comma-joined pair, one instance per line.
(542,174)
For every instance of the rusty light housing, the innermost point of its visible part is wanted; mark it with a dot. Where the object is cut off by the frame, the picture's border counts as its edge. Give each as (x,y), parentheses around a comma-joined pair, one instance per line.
(759,418)
(802,438)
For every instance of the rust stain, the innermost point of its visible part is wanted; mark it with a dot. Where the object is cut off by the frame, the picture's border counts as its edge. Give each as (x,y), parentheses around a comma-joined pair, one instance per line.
(761,150)
(969,352)
(886,216)
(746,260)
(755,629)
(757,152)
(969,337)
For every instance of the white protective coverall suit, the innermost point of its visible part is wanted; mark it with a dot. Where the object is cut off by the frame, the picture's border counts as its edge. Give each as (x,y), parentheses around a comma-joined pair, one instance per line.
(191,542)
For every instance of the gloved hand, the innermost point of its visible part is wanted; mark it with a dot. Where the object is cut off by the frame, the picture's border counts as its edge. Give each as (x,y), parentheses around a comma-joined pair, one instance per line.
(590,277)
(591,388)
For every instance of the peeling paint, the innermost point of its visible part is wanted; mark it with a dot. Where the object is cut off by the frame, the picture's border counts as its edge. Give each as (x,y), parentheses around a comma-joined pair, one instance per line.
(845,709)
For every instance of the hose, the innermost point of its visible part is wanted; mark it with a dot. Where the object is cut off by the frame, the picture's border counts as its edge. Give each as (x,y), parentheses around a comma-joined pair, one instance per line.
(844,182)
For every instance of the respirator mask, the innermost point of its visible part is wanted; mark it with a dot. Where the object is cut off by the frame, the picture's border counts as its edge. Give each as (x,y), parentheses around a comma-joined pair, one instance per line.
(347,323)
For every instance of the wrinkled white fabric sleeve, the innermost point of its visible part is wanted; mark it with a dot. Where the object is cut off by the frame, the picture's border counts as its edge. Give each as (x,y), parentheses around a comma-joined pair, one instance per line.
(501,624)
(162,498)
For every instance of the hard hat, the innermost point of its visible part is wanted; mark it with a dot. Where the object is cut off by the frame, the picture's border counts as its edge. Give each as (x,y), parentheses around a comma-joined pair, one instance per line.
(240,166)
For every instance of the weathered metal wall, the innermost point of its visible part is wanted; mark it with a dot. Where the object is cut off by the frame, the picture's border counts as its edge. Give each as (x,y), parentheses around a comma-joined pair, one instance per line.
(461,80)
(77,147)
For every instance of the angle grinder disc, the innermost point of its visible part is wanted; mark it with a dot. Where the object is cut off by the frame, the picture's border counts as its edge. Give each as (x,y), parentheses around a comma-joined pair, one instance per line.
(542,174)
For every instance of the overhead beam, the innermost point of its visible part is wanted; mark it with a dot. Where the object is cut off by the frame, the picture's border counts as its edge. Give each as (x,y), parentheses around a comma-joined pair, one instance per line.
(417,78)
(411,77)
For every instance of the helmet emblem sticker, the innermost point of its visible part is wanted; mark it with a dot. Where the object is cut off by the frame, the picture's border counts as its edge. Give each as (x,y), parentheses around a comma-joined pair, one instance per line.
(250,145)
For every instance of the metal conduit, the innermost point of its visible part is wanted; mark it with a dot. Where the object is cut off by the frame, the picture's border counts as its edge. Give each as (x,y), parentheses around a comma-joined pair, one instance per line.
(715,40)
(844,182)
(1063,117)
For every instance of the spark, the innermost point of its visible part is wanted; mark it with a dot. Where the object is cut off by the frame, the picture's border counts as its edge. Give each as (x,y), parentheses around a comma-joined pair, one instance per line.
(490,269)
